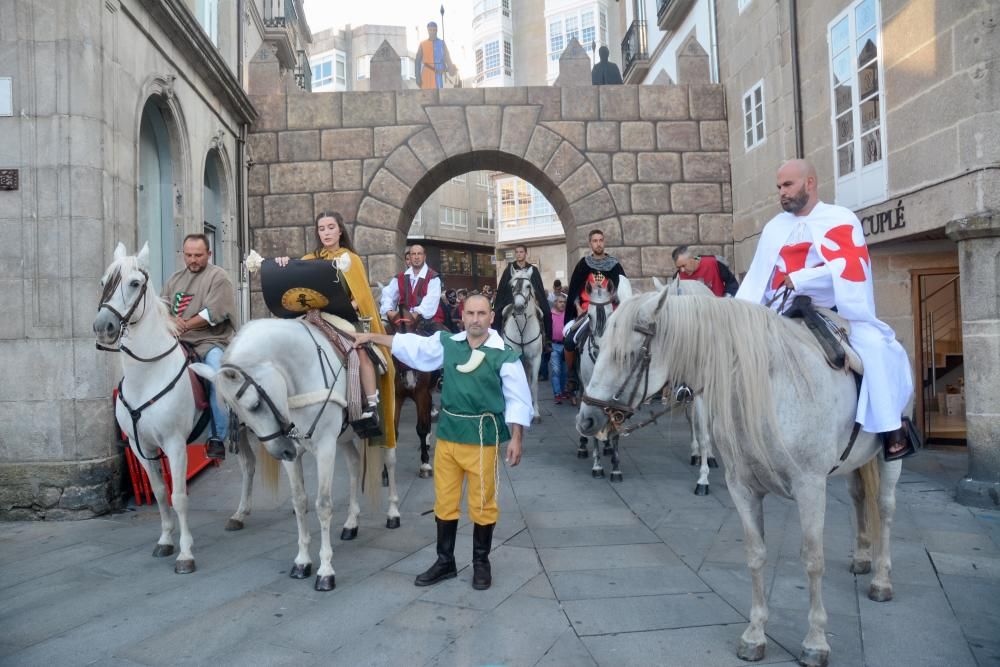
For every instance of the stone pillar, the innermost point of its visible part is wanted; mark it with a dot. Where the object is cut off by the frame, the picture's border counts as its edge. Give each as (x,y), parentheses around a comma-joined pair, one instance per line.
(574,66)
(385,69)
(978,240)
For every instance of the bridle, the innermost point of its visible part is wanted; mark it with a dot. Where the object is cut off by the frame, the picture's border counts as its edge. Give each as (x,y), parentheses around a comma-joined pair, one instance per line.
(286,427)
(125,320)
(516,288)
(625,401)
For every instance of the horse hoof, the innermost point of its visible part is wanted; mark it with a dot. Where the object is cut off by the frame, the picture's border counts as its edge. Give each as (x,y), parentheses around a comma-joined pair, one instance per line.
(163,550)
(861,567)
(811,657)
(385,481)
(712,463)
(537,419)
(616,475)
(324,584)
(880,593)
(608,451)
(350,533)
(424,474)
(184,566)
(597,474)
(301,571)
(582,453)
(701,490)
(234,524)
(750,652)
(695,460)
(390,523)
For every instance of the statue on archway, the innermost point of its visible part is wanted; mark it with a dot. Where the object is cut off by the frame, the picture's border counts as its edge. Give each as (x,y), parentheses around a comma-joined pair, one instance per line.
(433,60)
(605,72)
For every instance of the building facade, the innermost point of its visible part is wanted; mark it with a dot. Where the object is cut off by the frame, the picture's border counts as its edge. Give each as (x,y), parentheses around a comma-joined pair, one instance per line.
(341,57)
(895,103)
(120,121)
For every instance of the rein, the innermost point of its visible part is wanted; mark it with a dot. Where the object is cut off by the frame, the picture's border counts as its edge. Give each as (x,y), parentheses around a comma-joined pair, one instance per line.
(515,288)
(124,320)
(286,427)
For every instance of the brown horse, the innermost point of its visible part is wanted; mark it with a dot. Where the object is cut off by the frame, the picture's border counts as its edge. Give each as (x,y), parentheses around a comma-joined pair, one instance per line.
(416,386)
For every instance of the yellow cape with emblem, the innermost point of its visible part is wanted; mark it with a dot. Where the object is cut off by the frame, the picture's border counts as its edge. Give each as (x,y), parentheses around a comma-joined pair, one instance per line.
(361,294)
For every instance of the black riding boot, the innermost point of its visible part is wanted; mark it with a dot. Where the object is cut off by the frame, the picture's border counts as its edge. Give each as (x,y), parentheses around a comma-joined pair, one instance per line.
(444,567)
(215,448)
(482,539)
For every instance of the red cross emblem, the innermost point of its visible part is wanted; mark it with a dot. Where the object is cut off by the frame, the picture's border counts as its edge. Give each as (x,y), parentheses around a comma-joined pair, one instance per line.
(854,256)
(792,257)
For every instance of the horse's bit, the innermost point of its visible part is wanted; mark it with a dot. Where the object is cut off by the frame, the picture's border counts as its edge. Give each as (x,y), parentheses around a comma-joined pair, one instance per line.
(515,288)
(286,427)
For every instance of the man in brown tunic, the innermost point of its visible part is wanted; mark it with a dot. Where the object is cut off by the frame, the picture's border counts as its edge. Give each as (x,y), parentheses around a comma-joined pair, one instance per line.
(202,302)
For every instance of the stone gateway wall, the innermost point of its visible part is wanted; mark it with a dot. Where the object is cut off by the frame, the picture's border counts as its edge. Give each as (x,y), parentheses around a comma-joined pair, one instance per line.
(649,165)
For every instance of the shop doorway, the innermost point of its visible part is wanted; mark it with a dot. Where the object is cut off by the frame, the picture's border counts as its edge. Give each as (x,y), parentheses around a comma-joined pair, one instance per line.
(937,308)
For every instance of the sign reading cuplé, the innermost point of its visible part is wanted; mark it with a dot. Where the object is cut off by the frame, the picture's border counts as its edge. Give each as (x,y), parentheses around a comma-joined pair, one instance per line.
(884,221)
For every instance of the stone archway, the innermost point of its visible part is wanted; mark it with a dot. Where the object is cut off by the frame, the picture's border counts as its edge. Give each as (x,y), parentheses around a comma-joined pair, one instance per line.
(649,165)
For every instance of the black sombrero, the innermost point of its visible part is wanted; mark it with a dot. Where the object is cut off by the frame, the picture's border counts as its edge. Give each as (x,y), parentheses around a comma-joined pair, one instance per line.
(304,285)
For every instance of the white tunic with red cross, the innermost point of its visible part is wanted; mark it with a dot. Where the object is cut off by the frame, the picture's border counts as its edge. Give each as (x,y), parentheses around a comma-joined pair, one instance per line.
(825,255)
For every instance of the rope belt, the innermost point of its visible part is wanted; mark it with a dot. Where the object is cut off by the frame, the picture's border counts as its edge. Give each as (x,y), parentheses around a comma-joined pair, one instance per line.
(496,462)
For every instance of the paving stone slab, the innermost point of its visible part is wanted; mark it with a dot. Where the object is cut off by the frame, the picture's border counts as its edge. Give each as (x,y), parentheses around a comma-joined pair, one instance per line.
(592,536)
(423,616)
(709,646)
(580,518)
(626,582)
(649,612)
(568,650)
(600,557)
(788,628)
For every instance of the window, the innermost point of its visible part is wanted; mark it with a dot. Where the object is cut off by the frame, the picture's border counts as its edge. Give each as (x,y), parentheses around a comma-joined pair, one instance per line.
(208,16)
(406,67)
(454,218)
(340,71)
(364,65)
(456,262)
(587,34)
(743,4)
(857,112)
(507,208)
(604,27)
(555,40)
(572,28)
(484,223)
(491,59)
(211,234)
(753,116)
(322,73)
(507,58)
(486,265)
(483,179)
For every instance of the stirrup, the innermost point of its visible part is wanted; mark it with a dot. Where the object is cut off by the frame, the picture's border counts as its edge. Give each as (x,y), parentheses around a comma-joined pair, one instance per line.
(900,436)
(367,426)
(215,448)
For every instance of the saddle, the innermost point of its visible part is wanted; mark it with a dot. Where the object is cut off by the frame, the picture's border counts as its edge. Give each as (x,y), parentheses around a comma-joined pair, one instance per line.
(831,331)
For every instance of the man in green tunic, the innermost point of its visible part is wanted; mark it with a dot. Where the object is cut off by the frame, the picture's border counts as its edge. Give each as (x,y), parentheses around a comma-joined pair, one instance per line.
(485,401)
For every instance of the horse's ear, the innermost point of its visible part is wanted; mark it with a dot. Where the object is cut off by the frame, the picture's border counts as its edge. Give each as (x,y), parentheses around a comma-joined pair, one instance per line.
(120,251)
(657,284)
(143,256)
(205,371)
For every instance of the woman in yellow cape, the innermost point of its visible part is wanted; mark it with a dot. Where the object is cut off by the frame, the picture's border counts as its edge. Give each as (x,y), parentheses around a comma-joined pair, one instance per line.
(335,243)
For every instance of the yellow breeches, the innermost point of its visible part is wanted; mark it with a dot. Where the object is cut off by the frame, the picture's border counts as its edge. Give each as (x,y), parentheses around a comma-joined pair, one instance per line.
(455,462)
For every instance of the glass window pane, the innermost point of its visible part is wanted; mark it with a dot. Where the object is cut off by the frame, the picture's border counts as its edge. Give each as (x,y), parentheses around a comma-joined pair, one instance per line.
(840,36)
(864,16)
(870,114)
(845,160)
(845,128)
(749,137)
(867,50)
(747,104)
(868,81)
(756,96)
(842,69)
(871,147)
(842,94)
(760,131)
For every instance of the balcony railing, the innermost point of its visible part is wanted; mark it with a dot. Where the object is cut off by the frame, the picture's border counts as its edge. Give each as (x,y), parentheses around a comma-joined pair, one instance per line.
(279,13)
(661,8)
(635,53)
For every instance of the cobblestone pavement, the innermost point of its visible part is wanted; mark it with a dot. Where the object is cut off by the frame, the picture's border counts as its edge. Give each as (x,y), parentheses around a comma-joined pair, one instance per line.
(585,572)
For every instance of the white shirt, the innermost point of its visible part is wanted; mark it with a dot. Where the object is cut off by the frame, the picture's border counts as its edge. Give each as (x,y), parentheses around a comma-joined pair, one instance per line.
(427,307)
(425,353)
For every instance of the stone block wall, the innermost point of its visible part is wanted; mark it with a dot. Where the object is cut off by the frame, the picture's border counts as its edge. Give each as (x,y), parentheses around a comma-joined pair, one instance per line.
(648,165)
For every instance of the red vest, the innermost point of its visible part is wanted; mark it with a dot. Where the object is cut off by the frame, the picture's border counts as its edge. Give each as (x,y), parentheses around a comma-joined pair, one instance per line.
(708,273)
(410,298)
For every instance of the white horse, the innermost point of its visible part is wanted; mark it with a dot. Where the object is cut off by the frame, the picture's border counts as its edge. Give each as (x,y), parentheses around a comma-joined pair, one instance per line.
(156,402)
(279,373)
(604,298)
(782,420)
(694,404)
(523,328)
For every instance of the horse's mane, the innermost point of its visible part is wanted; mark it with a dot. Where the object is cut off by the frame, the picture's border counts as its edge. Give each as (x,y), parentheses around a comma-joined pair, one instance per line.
(725,348)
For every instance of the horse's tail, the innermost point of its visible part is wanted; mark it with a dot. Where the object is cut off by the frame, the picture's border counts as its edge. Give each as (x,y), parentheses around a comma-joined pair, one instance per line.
(371,464)
(270,471)
(870,482)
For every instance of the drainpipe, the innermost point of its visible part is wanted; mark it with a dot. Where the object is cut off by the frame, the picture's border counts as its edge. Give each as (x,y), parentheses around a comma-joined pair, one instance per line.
(242,219)
(796,84)
(713,36)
